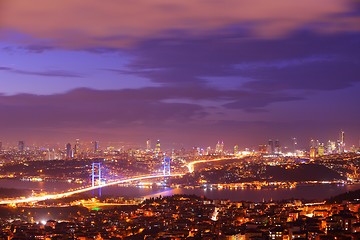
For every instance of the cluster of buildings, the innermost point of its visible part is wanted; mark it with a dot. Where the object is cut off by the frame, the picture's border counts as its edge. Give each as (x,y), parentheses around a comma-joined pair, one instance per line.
(273,148)
(192,217)
(318,149)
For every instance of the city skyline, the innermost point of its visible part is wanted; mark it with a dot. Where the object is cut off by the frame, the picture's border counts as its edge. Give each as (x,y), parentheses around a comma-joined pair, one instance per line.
(183,72)
(72,147)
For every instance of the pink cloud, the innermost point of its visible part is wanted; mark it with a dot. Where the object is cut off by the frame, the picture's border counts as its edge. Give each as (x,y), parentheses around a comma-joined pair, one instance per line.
(113,23)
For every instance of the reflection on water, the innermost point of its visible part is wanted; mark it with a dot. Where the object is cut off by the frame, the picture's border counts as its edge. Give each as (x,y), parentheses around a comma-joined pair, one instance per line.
(308,192)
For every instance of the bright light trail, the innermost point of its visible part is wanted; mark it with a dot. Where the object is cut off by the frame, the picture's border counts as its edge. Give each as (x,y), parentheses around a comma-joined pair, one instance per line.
(190,165)
(62,195)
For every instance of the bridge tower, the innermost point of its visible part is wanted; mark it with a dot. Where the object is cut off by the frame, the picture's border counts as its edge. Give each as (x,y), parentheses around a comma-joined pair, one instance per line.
(167,170)
(96,175)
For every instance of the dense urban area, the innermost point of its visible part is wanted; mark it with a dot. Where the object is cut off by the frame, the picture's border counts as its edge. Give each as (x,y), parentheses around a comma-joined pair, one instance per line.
(45,214)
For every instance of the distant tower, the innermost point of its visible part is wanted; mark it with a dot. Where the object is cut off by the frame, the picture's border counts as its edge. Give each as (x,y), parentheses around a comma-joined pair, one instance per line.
(157,148)
(271,146)
(0,146)
(21,146)
(222,147)
(96,146)
(77,148)
(148,145)
(219,148)
(69,152)
(277,146)
(342,141)
(313,152)
(236,149)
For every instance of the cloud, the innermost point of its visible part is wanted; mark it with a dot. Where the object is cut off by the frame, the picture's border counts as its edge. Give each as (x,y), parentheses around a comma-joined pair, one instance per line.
(129,107)
(85,107)
(48,73)
(301,62)
(118,24)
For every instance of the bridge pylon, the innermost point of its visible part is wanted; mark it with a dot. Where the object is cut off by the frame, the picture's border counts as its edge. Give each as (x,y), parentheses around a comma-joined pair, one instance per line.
(96,175)
(167,167)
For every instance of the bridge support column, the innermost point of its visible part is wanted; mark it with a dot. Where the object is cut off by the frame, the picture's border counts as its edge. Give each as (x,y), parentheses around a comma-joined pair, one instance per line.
(96,175)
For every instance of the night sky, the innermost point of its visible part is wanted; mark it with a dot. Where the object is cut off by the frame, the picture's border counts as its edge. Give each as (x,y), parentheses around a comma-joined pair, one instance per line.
(189,73)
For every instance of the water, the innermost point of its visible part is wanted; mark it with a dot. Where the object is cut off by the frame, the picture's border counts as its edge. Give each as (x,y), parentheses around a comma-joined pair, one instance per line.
(37,186)
(307,192)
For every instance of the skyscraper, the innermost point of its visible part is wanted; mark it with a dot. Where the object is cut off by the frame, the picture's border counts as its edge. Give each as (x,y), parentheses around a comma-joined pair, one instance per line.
(157,148)
(21,146)
(96,146)
(77,148)
(277,146)
(219,148)
(69,152)
(342,142)
(236,149)
(148,145)
(271,146)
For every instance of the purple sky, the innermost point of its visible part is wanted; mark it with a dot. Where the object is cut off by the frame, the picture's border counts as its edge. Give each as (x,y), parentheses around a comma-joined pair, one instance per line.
(189,73)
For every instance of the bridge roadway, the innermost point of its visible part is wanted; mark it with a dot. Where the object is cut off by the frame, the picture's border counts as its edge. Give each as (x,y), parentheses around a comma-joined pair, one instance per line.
(66,194)
(190,167)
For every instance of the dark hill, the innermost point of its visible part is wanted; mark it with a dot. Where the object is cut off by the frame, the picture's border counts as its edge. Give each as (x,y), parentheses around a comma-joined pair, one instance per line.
(304,172)
(348,196)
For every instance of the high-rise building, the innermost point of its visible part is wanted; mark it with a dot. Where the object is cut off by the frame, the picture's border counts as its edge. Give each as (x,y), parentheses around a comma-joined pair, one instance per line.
(77,148)
(331,147)
(0,146)
(277,148)
(312,152)
(69,152)
(208,150)
(96,146)
(219,148)
(271,146)
(21,146)
(157,148)
(342,142)
(236,149)
(148,145)
(321,150)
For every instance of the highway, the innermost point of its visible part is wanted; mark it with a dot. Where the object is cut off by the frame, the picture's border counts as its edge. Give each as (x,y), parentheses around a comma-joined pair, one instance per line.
(66,194)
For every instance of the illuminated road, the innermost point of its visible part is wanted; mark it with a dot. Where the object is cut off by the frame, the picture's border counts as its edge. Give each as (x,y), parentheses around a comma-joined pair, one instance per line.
(62,195)
(190,166)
